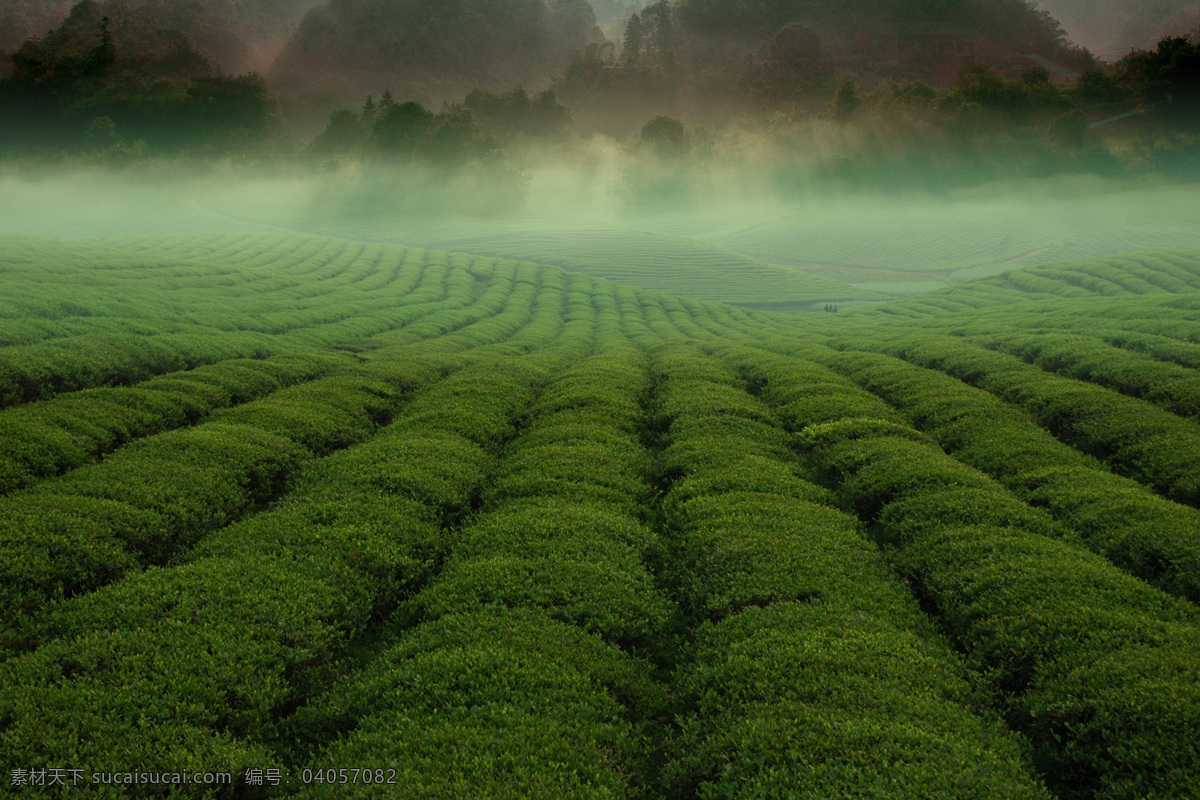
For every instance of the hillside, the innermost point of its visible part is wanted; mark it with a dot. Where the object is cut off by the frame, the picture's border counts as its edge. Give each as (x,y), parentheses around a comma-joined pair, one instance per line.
(1122,278)
(885,245)
(427,51)
(490,528)
(1111,27)
(647,259)
(239,35)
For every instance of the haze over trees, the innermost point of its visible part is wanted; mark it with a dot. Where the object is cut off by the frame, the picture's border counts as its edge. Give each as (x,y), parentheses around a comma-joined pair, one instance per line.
(145,83)
(428,52)
(239,35)
(1112,27)
(891,91)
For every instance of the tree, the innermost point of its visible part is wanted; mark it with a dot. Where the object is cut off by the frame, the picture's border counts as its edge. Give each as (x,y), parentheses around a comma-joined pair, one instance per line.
(399,127)
(231,114)
(1069,131)
(1095,86)
(1166,80)
(453,139)
(1035,76)
(102,137)
(631,53)
(103,58)
(658,18)
(795,45)
(978,83)
(514,112)
(345,134)
(665,135)
(846,101)
(794,68)
(429,49)
(111,61)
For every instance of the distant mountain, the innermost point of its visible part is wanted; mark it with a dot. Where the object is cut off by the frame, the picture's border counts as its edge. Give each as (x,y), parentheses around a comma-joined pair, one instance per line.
(1185,23)
(1111,27)
(428,50)
(713,57)
(1019,24)
(240,35)
(24,19)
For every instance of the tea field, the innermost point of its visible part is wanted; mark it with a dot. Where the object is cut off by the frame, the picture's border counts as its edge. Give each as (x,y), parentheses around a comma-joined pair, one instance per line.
(354,519)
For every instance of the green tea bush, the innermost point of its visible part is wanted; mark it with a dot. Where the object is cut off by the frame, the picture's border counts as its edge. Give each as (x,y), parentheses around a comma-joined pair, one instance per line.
(1173,388)
(582,563)
(503,703)
(1138,439)
(1135,529)
(1026,610)
(809,698)
(38,371)
(784,588)
(273,602)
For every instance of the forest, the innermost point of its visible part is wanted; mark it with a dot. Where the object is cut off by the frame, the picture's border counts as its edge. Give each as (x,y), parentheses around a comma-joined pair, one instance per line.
(866,90)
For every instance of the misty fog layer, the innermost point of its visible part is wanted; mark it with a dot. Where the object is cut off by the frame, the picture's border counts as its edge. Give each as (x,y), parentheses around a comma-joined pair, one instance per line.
(733,244)
(772,153)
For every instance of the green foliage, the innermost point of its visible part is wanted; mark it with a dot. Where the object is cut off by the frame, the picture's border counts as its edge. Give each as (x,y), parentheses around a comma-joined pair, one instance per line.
(1138,439)
(111,74)
(665,134)
(50,437)
(801,689)
(1115,517)
(809,641)
(514,112)
(271,602)
(1166,80)
(581,563)
(979,83)
(212,648)
(517,532)
(628,254)
(846,100)
(503,702)
(1029,610)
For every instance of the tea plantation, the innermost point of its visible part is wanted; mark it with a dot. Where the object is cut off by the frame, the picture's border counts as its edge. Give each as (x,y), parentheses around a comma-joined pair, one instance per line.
(360,520)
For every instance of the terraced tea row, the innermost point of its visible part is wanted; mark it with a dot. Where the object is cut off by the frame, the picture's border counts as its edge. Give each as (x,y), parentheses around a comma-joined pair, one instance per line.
(153,499)
(1150,273)
(494,529)
(1150,537)
(809,651)
(968,235)
(1053,628)
(513,682)
(214,311)
(647,259)
(65,432)
(273,602)
(1147,535)
(1135,437)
